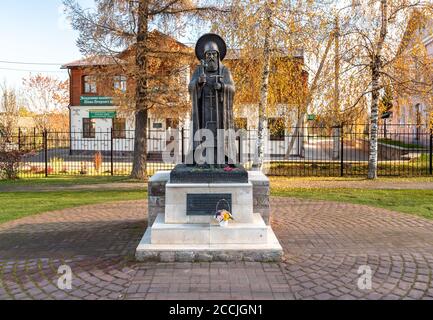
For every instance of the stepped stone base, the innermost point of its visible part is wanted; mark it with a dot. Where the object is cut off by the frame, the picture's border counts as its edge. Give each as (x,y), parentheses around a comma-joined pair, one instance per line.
(271,251)
(209,233)
(183,230)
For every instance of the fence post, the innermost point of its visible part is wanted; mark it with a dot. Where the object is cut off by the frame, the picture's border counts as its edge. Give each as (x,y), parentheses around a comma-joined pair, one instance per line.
(19,138)
(431,151)
(70,142)
(34,138)
(341,151)
(239,148)
(182,146)
(111,152)
(45,135)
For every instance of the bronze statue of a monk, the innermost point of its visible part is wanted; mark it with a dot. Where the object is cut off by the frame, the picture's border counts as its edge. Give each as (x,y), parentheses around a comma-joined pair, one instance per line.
(212,90)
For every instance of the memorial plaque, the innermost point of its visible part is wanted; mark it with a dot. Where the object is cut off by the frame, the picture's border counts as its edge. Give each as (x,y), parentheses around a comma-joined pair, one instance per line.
(204,204)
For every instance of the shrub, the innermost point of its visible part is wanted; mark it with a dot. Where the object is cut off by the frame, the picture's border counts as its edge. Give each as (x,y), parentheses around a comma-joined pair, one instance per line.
(97,161)
(10,162)
(57,164)
(39,170)
(64,170)
(83,168)
(35,169)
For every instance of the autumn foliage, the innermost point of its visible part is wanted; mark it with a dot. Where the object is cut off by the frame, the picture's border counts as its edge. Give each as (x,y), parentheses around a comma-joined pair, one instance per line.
(48,98)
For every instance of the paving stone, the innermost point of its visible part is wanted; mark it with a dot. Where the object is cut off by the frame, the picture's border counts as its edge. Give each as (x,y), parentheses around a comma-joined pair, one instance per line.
(324,243)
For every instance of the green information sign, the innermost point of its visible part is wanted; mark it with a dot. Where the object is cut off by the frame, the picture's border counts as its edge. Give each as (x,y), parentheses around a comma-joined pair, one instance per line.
(93,114)
(311,117)
(96,101)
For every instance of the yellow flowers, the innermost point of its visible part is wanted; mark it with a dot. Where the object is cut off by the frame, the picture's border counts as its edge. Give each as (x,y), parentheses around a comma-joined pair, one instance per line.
(226,215)
(223,215)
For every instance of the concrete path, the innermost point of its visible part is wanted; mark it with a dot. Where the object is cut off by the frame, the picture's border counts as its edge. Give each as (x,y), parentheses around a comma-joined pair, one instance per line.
(325,246)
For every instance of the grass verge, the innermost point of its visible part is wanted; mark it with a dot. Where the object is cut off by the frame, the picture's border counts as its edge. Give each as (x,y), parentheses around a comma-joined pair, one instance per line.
(15,205)
(418,202)
(65,180)
(401,144)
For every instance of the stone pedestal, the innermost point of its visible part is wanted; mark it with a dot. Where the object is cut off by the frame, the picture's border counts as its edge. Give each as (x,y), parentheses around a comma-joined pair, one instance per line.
(176,204)
(156,194)
(175,234)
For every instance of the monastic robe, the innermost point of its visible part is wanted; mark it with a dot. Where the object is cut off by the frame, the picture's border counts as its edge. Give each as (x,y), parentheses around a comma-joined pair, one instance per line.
(204,98)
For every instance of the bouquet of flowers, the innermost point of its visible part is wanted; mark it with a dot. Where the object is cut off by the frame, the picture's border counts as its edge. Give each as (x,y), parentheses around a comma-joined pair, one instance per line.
(223,217)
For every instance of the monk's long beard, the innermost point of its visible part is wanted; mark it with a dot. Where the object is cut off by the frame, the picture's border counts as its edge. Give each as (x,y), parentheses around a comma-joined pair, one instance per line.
(212,65)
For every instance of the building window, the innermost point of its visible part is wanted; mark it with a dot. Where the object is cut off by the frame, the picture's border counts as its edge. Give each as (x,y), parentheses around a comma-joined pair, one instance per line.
(119,128)
(88,128)
(157,125)
(276,129)
(120,83)
(89,84)
(171,123)
(241,124)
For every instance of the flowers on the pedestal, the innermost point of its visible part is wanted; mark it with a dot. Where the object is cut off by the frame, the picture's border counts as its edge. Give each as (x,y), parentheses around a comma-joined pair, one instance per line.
(228,169)
(223,217)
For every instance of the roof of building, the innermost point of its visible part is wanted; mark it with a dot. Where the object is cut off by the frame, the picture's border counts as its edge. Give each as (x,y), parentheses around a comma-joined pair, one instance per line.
(93,61)
(105,60)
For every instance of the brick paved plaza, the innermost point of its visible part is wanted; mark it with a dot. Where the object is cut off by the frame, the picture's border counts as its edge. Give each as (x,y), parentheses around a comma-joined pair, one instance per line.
(325,243)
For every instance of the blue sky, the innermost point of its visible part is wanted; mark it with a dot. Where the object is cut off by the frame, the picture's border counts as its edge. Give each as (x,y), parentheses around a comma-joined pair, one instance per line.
(35,31)
(38,31)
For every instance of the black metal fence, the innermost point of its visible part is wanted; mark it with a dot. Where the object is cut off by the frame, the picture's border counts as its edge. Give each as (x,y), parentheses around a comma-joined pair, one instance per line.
(403,150)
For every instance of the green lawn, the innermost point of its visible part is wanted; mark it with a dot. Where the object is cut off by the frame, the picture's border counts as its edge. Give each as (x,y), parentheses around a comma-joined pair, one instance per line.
(288,180)
(65,180)
(16,205)
(401,144)
(416,167)
(418,202)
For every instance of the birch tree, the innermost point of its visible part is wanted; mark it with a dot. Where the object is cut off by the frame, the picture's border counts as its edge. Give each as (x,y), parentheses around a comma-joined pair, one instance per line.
(372,37)
(268,35)
(269,10)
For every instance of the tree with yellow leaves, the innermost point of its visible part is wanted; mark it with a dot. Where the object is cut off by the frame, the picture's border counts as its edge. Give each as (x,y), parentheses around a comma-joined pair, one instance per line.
(371,38)
(48,98)
(268,36)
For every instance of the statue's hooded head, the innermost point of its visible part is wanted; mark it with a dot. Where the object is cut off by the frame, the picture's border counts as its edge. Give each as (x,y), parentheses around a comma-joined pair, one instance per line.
(212,53)
(211,48)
